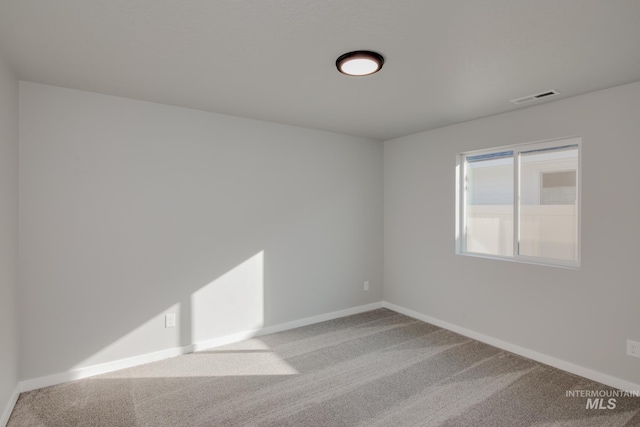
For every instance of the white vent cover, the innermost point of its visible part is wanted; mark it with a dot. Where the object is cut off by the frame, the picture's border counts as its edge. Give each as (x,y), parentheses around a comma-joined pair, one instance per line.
(535,96)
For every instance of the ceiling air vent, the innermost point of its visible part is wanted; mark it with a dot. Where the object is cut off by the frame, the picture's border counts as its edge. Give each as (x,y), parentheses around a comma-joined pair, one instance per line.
(533,97)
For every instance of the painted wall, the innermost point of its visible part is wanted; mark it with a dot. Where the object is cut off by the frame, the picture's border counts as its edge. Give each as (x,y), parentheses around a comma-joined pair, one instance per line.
(132,210)
(9,342)
(582,316)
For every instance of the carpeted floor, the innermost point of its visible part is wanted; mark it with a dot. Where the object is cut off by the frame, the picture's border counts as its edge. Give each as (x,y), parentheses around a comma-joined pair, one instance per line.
(378,368)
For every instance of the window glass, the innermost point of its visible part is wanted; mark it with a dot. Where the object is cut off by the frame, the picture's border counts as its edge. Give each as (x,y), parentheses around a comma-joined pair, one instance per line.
(521,202)
(548,203)
(489,212)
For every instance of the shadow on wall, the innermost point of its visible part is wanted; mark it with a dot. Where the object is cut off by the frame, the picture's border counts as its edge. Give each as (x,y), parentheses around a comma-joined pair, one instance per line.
(234,302)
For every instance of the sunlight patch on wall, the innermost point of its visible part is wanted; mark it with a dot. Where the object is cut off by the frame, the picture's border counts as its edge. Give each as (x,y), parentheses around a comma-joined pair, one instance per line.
(233,302)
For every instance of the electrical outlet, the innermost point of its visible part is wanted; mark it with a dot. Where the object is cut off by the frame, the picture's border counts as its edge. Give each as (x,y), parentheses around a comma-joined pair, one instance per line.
(170,320)
(366,286)
(633,348)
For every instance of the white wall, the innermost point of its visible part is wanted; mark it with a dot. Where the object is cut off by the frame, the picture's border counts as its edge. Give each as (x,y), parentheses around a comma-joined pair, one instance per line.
(9,343)
(580,316)
(131,210)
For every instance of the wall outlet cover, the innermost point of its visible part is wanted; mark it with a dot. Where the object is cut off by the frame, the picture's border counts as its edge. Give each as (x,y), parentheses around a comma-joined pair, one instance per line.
(170,320)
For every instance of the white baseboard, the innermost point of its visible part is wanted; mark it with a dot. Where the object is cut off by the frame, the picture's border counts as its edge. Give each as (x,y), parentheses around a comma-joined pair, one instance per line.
(216,342)
(522,351)
(4,419)
(89,371)
(103,368)
(35,383)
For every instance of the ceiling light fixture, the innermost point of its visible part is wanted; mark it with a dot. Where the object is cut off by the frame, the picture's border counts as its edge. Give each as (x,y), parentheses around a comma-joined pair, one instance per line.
(360,63)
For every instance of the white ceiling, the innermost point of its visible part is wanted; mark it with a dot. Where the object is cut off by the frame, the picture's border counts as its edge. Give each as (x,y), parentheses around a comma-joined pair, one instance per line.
(447,61)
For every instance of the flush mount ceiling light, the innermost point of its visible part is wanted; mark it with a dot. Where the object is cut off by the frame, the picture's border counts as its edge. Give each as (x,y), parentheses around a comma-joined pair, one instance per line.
(360,63)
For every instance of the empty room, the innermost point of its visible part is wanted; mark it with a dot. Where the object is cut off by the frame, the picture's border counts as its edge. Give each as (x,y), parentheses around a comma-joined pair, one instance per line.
(319,213)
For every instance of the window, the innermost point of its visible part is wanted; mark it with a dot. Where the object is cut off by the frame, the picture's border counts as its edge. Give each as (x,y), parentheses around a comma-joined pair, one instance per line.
(521,203)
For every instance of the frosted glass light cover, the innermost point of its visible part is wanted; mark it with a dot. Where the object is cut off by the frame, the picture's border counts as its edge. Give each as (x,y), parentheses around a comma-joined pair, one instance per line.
(359,67)
(360,63)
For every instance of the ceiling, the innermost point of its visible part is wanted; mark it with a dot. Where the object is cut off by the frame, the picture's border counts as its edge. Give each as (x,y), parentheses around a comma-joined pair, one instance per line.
(447,61)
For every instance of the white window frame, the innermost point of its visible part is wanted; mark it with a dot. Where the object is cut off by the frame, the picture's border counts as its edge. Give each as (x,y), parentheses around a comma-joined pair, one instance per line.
(460,229)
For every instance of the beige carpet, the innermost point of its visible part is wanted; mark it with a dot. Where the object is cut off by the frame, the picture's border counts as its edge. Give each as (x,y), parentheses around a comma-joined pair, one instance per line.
(378,368)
